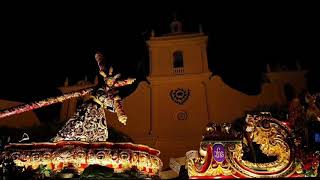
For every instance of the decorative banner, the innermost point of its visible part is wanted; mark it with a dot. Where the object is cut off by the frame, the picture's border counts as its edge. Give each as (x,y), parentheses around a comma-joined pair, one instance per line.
(36,105)
(218,153)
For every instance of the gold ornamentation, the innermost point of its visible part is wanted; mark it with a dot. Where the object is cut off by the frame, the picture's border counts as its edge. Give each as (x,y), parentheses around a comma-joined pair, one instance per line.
(207,166)
(272,136)
(119,156)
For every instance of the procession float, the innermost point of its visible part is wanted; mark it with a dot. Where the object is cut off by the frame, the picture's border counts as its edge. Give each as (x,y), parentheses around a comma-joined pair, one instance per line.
(83,140)
(227,153)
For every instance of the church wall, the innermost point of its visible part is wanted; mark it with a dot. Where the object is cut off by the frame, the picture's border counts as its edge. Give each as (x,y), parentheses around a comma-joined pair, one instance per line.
(160,64)
(137,108)
(167,109)
(173,137)
(69,107)
(191,54)
(295,78)
(227,104)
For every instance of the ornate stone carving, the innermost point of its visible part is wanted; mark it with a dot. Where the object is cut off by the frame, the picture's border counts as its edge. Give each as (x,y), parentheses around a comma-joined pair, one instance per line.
(180,95)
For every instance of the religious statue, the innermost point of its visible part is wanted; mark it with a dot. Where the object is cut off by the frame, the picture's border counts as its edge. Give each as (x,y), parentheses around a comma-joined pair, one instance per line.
(89,123)
(82,141)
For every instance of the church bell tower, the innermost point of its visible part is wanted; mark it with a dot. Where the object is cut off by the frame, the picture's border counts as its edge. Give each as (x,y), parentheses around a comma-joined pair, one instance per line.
(178,75)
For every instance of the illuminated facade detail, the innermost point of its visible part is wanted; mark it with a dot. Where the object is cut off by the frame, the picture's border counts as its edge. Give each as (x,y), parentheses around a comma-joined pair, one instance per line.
(181,115)
(222,156)
(180,95)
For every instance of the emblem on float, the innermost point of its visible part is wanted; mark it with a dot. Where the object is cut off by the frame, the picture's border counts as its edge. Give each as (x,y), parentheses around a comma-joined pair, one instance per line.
(218,153)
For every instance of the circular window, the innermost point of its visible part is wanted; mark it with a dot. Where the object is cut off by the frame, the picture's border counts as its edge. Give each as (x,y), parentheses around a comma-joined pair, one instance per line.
(181,115)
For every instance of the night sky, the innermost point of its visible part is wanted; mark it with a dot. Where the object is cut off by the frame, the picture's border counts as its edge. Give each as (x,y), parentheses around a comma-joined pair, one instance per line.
(43,46)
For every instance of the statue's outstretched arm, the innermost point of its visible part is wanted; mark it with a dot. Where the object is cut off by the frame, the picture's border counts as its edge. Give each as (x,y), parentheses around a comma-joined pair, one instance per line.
(117,103)
(124,82)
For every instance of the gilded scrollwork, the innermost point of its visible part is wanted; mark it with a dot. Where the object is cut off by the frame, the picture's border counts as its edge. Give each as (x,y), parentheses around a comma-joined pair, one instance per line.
(207,165)
(272,136)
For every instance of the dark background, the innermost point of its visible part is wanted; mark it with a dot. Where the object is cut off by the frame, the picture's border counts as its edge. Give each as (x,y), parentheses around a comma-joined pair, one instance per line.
(42,44)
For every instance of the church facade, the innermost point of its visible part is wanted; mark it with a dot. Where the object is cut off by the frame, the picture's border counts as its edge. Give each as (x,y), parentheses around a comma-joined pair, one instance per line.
(170,111)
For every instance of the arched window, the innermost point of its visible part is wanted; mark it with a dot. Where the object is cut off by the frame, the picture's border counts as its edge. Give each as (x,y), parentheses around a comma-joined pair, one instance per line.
(177,59)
